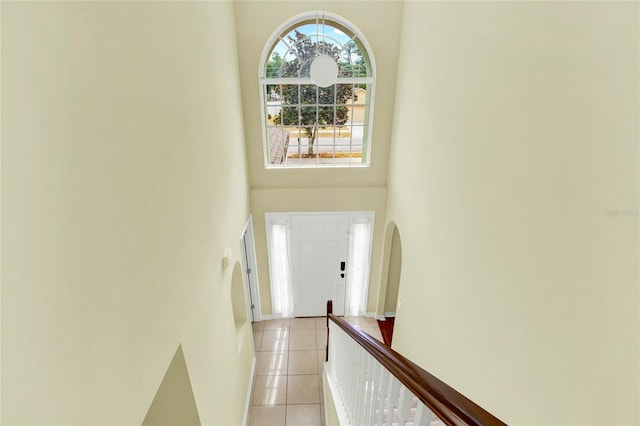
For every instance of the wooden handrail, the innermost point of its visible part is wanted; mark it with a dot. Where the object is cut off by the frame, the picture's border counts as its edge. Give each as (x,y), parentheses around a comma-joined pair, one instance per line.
(448,404)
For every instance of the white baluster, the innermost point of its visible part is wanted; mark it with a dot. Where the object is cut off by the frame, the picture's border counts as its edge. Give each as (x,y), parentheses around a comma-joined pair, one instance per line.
(334,350)
(345,365)
(394,393)
(375,402)
(332,342)
(371,392)
(362,381)
(404,405)
(365,387)
(383,390)
(346,371)
(353,382)
(423,415)
(374,366)
(355,386)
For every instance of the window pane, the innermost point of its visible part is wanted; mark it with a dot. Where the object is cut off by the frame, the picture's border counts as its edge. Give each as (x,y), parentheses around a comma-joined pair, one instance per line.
(328,134)
(308,115)
(326,95)
(344,94)
(326,115)
(301,31)
(342,132)
(272,114)
(272,70)
(296,134)
(305,69)
(290,65)
(356,157)
(359,95)
(343,145)
(305,49)
(273,105)
(351,61)
(308,93)
(345,69)
(360,69)
(290,116)
(277,139)
(272,92)
(358,274)
(342,115)
(280,271)
(288,93)
(357,133)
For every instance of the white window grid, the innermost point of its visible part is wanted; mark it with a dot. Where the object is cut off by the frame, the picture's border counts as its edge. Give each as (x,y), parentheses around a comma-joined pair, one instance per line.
(295,132)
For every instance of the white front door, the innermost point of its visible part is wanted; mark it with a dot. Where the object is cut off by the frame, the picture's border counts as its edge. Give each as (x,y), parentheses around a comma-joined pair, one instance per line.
(319,258)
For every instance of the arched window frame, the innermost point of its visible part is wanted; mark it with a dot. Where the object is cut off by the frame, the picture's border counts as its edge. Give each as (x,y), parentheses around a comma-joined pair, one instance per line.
(336,21)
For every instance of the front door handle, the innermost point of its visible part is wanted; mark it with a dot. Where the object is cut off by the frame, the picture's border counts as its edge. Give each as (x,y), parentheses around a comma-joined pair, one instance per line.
(342,266)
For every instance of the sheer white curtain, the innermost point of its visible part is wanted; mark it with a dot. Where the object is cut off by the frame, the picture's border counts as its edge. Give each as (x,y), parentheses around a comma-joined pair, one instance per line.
(358,272)
(281,290)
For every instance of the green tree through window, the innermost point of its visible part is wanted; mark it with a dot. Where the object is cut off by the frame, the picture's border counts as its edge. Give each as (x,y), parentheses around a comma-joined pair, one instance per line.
(311,106)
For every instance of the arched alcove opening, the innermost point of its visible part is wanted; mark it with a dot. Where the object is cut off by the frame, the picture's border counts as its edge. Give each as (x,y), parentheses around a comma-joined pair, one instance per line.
(395,269)
(390,283)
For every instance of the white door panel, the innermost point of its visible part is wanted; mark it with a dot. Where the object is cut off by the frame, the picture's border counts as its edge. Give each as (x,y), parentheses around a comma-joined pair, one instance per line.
(320,244)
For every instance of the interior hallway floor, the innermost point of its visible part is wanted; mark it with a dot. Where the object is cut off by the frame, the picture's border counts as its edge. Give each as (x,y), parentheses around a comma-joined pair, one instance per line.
(287,386)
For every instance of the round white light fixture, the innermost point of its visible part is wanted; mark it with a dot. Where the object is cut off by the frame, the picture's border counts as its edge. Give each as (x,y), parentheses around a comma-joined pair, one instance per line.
(324,71)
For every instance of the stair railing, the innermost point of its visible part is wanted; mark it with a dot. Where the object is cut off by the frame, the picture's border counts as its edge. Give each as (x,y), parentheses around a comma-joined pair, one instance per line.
(374,385)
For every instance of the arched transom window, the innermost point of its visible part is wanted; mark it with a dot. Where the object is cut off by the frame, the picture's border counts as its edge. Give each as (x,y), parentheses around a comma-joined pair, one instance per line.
(306,124)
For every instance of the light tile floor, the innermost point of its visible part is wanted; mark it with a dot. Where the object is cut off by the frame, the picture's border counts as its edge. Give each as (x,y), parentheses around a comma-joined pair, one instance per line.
(287,387)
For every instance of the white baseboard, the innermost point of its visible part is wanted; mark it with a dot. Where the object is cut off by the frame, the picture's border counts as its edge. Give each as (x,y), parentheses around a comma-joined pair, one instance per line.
(374,315)
(245,416)
(381,317)
(268,317)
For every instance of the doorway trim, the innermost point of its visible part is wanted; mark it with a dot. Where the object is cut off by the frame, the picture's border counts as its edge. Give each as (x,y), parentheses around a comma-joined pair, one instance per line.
(250,271)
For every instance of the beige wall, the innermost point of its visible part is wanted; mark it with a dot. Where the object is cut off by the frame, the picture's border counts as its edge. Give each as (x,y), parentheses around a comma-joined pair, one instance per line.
(123,180)
(516,129)
(337,199)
